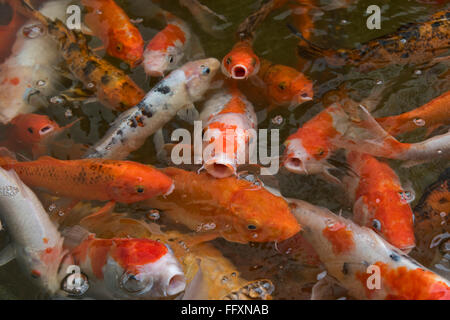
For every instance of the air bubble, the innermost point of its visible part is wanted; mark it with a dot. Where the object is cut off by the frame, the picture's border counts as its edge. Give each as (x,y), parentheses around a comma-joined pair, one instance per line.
(56,100)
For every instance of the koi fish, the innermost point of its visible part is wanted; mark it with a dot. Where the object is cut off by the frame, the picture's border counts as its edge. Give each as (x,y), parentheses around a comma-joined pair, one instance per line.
(209,275)
(227,117)
(241,62)
(432,225)
(170,47)
(412,44)
(32,132)
(27,73)
(377,193)
(178,91)
(231,208)
(92,179)
(112,25)
(111,85)
(35,241)
(282,85)
(128,268)
(351,254)
(433,115)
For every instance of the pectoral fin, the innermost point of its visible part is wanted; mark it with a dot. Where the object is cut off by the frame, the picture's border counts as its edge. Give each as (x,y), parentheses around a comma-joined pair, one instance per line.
(188,113)
(7,254)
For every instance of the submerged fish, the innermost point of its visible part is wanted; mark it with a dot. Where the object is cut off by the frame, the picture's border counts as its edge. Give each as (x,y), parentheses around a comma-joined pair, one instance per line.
(234,209)
(111,85)
(92,179)
(431,115)
(32,132)
(227,118)
(29,71)
(362,262)
(112,25)
(282,85)
(377,194)
(35,241)
(432,225)
(412,44)
(128,268)
(178,91)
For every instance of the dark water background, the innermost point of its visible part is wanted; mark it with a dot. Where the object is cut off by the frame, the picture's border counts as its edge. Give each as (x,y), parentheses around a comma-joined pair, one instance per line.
(344,27)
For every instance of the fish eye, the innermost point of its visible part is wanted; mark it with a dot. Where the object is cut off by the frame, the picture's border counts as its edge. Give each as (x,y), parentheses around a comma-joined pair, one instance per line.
(251,227)
(304,95)
(253,62)
(30,130)
(130,283)
(282,85)
(376,224)
(171,59)
(205,70)
(119,47)
(140,189)
(45,129)
(228,60)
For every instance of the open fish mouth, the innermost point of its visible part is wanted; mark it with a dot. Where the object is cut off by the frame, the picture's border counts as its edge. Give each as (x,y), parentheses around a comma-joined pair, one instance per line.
(239,71)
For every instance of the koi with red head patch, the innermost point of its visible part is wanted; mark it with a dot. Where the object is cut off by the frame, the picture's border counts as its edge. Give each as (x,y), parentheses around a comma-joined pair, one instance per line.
(352,254)
(431,115)
(32,132)
(112,25)
(235,209)
(129,268)
(378,204)
(227,116)
(92,179)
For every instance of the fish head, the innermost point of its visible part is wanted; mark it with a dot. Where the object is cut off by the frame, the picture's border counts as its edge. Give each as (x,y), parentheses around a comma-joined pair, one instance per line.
(240,63)
(287,86)
(259,216)
(32,128)
(159,61)
(199,75)
(299,160)
(139,182)
(129,51)
(142,269)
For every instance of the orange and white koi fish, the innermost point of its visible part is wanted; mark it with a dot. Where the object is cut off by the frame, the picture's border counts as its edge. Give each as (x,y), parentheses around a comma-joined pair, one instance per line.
(379,201)
(35,241)
(227,118)
(171,47)
(282,85)
(112,25)
(431,115)
(129,268)
(364,263)
(32,132)
(234,209)
(92,179)
(432,225)
(173,95)
(28,72)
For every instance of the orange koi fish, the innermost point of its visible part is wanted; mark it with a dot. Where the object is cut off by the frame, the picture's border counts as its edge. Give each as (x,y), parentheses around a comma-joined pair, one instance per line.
(111,85)
(127,268)
(92,179)
(282,85)
(227,117)
(378,204)
(32,132)
(241,62)
(412,44)
(112,25)
(235,209)
(432,115)
(171,47)
(432,224)
(351,253)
